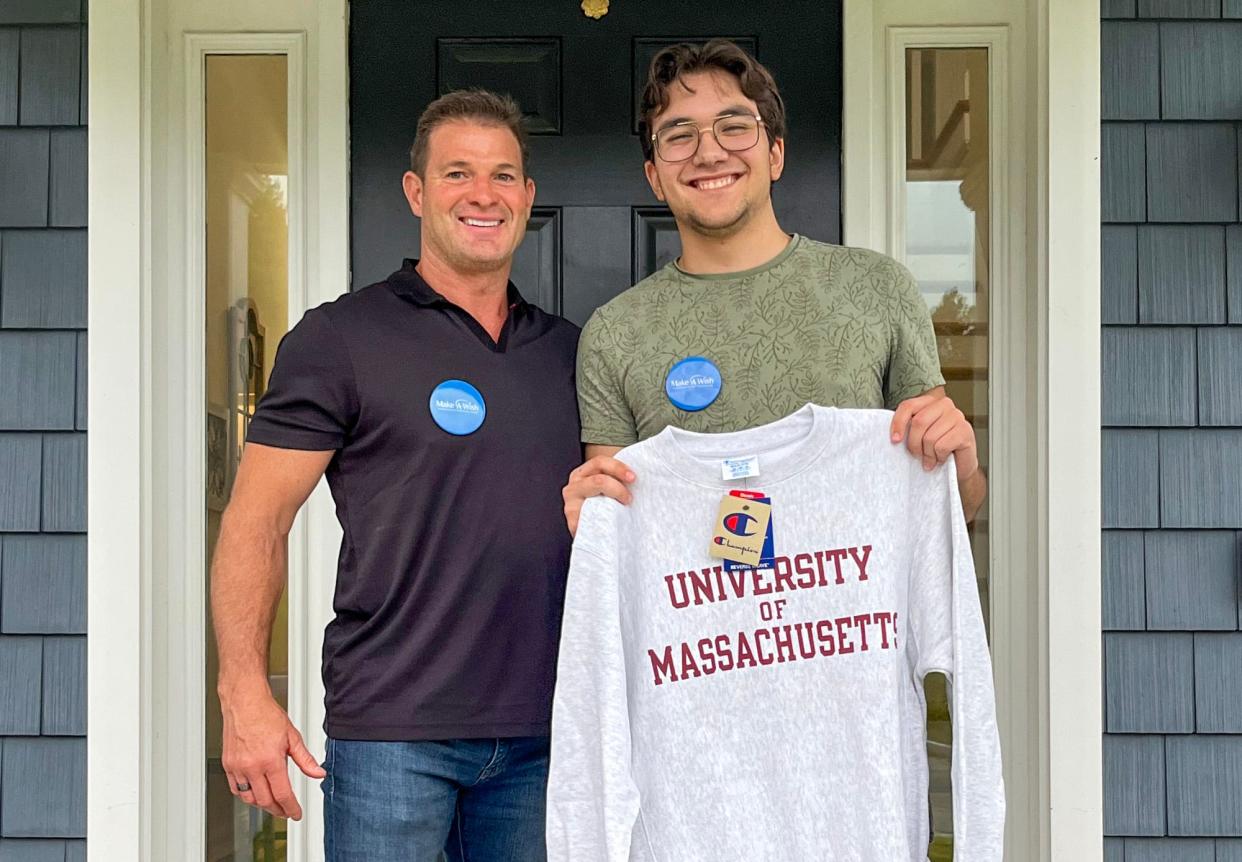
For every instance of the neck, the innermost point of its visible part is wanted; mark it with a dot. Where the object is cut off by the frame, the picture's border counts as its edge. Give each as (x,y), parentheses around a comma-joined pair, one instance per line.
(756,243)
(482,295)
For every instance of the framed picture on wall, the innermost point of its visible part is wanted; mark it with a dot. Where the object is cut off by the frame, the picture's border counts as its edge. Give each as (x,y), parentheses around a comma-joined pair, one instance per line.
(246,376)
(217,457)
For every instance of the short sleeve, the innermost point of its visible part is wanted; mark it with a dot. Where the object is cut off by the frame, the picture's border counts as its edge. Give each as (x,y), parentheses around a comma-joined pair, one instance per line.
(606,416)
(914,361)
(311,401)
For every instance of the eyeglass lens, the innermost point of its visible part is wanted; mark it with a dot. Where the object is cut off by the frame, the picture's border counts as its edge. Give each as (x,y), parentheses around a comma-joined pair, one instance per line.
(733,132)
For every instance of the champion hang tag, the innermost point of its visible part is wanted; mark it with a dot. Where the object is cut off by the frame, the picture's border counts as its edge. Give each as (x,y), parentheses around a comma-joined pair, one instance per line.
(741,528)
(457,407)
(693,383)
(767,557)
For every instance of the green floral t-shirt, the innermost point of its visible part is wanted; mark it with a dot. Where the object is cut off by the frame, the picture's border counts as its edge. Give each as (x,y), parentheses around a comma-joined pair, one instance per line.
(835,326)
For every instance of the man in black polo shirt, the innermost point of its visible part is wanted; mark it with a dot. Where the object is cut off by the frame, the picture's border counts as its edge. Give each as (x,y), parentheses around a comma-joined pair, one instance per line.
(442,408)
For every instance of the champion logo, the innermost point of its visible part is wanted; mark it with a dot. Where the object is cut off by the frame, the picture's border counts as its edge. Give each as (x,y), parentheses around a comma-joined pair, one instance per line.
(738,522)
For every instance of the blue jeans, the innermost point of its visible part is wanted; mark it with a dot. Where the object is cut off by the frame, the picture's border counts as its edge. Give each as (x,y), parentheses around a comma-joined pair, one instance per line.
(478,800)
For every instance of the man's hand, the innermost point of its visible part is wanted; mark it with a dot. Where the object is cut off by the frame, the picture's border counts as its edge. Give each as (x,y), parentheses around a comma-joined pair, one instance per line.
(247,577)
(600,475)
(258,737)
(934,428)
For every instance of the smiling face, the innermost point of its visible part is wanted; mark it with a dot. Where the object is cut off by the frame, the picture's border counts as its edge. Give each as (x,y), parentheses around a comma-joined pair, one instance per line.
(473,197)
(715,193)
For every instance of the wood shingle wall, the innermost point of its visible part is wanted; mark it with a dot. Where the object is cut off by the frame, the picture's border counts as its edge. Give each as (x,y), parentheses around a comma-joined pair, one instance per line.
(42,430)
(1172,390)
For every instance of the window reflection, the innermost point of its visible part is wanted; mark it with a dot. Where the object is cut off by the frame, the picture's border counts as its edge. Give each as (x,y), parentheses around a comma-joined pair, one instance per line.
(247,296)
(947,228)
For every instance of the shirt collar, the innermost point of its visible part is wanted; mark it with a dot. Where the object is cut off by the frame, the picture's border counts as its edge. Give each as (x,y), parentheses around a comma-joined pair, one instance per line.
(409,283)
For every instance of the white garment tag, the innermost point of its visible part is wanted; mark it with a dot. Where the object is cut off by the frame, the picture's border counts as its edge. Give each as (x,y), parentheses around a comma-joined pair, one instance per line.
(739,468)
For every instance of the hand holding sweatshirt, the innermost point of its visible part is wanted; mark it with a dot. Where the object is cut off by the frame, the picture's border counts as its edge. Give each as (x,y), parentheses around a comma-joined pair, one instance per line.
(772,714)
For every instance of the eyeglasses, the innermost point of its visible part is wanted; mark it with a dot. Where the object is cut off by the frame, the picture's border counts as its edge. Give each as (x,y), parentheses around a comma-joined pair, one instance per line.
(734,132)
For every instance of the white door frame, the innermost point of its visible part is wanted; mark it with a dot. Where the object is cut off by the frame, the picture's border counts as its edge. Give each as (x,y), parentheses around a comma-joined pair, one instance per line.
(141,707)
(1045,470)
(146,579)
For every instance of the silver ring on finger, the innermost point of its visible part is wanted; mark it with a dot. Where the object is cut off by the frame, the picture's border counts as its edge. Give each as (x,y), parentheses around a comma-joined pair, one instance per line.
(243,787)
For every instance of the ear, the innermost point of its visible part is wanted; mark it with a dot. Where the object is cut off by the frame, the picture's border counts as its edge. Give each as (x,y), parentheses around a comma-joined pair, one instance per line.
(776,158)
(412,185)
(653,179)
(530,194)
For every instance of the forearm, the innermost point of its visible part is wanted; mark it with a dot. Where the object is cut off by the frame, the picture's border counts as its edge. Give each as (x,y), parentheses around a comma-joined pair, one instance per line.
(973,490)
(248,574)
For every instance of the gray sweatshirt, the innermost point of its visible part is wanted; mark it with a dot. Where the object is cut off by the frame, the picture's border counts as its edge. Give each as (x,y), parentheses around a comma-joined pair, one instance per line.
(772,713)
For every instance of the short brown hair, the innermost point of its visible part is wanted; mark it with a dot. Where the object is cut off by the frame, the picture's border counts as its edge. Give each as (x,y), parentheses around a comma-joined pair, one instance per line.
(676,61)
(478,106)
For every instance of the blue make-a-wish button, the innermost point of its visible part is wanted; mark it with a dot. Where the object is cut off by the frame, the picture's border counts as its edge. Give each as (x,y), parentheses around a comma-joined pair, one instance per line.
(693,383)
(458,407)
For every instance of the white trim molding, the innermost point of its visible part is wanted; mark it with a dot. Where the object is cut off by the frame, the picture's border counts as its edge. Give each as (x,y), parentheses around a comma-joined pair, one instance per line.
(147,577)
(1068,259)
(118,463)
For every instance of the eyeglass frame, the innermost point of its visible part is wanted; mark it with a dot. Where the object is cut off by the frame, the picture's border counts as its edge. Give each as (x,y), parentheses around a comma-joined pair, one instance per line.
(698,141)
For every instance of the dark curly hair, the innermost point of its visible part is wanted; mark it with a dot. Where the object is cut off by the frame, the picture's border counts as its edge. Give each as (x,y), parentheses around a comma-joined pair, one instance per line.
(676,61)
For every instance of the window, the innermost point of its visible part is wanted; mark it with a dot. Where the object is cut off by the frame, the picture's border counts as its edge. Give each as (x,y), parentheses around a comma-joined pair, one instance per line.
(947,223)
(247,294)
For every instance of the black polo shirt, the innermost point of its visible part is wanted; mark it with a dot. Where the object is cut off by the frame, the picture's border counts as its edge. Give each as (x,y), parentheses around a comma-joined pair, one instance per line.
(452,568)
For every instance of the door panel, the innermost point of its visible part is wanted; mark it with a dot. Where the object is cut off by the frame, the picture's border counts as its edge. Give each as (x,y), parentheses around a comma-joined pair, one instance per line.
(598,227)
(537,263)
(597,257)
(656,242)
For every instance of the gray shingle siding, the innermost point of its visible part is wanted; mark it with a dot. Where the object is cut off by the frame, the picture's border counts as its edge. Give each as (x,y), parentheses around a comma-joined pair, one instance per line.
(1191,580)
(1201,71)
(44,278)
(1164,850)
(1171,305)
(1124,588)
(1179,8)
(1149,376)
(1199,478)
(1123,176)
(1136,665)
(1131,478)
(1128,762)
(1233,266)
(1220,358)
(1218,683)
(1130,89)
(1119,271)
(1192,172)
(42,425)
(1204,784)
(1181,274)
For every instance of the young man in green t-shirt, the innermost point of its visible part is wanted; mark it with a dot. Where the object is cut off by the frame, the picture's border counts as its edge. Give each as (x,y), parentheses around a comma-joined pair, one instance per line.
(750,323)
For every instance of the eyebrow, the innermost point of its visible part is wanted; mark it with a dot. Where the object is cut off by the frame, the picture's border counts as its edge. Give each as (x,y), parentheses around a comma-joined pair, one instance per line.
(462,163)
(730,111)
